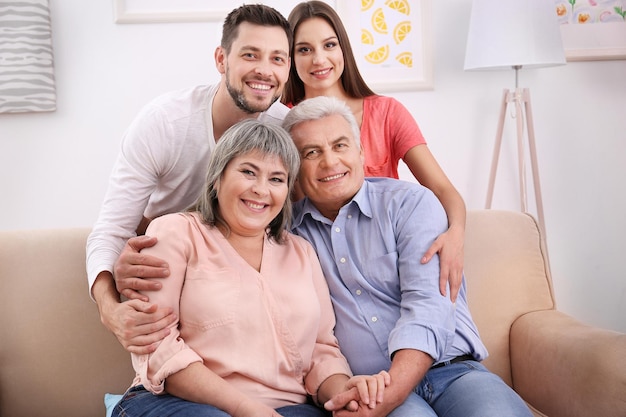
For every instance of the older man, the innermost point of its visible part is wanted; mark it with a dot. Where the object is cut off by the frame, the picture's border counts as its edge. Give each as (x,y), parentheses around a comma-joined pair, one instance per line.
(370,235)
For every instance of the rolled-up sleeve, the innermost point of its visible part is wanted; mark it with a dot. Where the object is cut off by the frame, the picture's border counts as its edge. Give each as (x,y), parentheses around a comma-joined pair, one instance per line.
(427,319)
(172,356)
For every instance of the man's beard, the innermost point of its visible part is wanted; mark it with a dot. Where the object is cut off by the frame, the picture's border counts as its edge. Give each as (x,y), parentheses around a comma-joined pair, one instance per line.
(240,99)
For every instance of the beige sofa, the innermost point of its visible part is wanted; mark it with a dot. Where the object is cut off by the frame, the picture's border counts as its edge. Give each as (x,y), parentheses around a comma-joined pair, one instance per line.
(56,359)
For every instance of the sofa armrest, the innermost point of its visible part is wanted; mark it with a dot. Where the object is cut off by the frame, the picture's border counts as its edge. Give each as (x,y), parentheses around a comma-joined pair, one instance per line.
(568,369)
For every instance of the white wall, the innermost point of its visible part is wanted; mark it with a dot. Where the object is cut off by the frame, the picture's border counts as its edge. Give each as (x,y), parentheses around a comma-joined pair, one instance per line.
(54,166)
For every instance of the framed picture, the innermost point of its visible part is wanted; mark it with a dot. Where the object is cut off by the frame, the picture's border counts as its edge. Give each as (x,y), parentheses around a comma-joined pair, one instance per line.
(168,11)
(593,30)
(392,42)
(27,77)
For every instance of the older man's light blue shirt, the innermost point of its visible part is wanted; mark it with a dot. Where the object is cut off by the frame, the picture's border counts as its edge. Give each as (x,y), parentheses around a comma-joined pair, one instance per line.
(384,298)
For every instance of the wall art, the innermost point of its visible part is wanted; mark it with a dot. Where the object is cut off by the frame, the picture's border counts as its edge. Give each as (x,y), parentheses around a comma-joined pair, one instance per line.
(27,81)
(392,42)
(593,29)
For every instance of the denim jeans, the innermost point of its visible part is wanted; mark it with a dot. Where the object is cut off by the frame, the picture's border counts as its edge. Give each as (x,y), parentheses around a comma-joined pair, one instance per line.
(462,389)
(139,402)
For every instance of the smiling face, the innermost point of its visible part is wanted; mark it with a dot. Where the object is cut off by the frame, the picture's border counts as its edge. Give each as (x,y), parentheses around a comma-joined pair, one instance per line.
(251,192)
(257,67)
(318,56)
(331,170)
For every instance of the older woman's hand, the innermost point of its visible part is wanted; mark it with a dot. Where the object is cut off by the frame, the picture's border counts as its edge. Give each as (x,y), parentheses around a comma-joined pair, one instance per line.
(364,389)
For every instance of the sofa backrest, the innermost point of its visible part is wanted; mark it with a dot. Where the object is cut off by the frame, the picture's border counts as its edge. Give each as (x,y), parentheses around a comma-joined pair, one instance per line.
(507,274)
(56,358)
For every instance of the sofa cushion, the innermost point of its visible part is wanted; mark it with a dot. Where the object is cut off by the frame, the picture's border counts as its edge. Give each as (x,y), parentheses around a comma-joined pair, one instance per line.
(54,343)
(507,275)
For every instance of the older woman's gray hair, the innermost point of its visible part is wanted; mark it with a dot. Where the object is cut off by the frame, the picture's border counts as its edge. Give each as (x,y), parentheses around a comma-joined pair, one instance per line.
(319,107)
(240,139)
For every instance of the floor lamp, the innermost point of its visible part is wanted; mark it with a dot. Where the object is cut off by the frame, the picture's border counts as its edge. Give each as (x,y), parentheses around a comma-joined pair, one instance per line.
(515,34)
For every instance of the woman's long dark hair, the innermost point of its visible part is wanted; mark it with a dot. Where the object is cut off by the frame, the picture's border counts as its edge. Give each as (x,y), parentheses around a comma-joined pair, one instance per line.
(351,79)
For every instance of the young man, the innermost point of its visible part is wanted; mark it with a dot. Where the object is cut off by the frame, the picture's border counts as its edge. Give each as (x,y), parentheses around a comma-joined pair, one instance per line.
(390,313)
(165,152)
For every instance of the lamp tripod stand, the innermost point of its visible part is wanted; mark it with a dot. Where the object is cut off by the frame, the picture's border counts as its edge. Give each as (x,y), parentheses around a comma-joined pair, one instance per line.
(520,98)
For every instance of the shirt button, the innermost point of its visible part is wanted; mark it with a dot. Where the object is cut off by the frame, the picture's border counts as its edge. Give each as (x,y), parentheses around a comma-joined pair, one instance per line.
(374,319)
(337,229)
(349,216)
(358,292)
(342,260)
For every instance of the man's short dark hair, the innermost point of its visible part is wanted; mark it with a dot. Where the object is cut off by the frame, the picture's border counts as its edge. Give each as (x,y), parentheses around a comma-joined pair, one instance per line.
(256,14)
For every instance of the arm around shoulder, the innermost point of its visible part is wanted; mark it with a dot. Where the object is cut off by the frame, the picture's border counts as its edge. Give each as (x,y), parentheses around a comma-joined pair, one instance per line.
(137,325)
(450,244)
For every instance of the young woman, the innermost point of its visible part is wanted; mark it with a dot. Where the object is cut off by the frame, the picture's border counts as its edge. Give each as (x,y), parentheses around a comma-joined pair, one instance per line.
(323,64)
(254,335)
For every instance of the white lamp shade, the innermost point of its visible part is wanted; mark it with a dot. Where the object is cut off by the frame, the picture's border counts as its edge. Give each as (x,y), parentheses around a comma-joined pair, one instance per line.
(507,33)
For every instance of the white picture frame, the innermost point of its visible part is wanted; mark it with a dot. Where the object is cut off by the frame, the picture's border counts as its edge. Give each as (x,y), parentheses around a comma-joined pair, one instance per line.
(167,11)
(594,42)
(390,75)
(592,30)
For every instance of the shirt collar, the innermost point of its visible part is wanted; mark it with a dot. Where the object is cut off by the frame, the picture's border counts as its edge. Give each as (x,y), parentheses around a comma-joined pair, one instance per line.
(360,200)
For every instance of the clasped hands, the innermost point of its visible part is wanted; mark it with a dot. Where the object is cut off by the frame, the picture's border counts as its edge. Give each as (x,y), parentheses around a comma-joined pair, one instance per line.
(361,395)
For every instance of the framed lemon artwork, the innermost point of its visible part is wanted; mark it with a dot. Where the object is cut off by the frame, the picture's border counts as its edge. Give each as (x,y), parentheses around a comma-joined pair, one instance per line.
(391,40)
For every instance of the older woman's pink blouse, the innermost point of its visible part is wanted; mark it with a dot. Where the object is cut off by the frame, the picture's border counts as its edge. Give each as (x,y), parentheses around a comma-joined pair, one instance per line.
(269,333)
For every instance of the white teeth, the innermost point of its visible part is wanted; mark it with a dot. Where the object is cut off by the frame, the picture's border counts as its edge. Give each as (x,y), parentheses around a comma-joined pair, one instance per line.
(260,86)
(333,177)
(322,72)
(254,205)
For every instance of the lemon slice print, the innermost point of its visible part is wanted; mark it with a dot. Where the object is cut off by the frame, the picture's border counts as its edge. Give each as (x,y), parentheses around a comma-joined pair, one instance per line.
(366,4)
(366,37)
(378,56)
(378,21)
(406,59)
(401,30)
(401,6)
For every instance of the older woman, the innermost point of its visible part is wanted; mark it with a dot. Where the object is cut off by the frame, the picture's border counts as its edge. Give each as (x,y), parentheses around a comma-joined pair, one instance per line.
(255,330)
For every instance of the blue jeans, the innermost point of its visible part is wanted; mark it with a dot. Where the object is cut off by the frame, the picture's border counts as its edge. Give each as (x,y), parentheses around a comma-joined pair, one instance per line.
(462,389)
(139,402)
